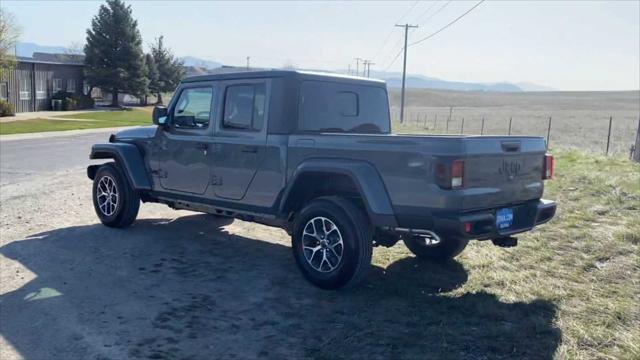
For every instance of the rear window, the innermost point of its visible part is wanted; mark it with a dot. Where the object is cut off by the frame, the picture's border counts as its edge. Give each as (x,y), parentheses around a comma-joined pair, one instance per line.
(335,107)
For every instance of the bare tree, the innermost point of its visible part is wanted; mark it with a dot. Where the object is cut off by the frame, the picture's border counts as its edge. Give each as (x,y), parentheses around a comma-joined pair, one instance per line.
(9,35)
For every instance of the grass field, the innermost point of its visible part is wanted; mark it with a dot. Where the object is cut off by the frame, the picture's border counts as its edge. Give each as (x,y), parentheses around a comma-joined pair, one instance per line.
(580,120)
(88,120)
(570,289)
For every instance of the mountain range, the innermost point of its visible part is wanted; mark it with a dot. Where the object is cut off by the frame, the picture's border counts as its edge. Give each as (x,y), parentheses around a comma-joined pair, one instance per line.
(197,66)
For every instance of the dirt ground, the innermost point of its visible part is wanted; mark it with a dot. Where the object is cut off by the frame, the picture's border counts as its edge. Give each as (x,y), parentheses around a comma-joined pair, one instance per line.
(179,285)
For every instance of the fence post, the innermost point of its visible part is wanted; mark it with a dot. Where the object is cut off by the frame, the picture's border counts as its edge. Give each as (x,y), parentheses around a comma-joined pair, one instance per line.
(609,136)
(435,122)
(510,120)
(548,132)
(636,147)
(482,128)
(462,127)
(425,120)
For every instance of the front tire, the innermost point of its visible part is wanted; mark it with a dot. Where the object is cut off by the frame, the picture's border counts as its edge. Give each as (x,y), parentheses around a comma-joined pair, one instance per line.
(115,201)
(332,243)
(442,250)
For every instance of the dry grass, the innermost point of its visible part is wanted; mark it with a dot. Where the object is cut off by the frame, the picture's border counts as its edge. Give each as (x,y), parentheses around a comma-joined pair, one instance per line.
(580,120)
(570,289)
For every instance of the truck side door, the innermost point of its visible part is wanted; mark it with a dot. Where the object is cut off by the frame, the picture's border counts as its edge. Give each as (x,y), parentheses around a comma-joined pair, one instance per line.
(240,137)
(184,146)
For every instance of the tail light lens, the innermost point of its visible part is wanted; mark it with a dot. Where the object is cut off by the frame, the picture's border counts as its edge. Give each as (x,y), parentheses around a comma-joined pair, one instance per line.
(450,175)
(457,174)
(548,167)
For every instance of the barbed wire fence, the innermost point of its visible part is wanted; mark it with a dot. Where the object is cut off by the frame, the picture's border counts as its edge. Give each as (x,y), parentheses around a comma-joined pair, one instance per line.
(607,135)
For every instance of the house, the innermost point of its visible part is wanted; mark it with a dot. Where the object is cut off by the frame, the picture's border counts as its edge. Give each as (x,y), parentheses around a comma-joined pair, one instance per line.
(31,83)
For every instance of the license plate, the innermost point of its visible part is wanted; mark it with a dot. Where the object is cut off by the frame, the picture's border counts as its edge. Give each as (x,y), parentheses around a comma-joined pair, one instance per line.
(504,218)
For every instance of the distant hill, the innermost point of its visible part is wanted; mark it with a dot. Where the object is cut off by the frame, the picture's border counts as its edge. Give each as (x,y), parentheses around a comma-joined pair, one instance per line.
(422,83)
(200,63)
(26,49)
(527,86)
(198,66)
(416,81)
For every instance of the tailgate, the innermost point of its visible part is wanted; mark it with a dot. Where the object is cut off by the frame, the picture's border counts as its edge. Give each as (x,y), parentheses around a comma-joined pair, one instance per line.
(501,170)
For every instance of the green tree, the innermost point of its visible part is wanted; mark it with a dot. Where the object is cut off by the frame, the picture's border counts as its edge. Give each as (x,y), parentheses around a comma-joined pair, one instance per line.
(152,77)
(170,69)
(113,54)
(9,34)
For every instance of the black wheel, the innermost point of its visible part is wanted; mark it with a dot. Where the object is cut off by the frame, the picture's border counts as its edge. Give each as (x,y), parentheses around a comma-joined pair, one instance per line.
(115,201)
(332,243)
(432,248)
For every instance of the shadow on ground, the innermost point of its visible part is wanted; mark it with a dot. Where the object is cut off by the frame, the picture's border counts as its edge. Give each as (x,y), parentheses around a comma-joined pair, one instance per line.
(187,289)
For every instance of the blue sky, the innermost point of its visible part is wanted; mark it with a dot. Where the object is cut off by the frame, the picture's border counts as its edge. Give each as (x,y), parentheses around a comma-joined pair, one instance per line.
(575,45)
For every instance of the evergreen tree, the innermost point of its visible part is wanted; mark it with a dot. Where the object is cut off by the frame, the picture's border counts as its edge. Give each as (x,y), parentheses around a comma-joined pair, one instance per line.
(170,69)
(113,54)
(152,76)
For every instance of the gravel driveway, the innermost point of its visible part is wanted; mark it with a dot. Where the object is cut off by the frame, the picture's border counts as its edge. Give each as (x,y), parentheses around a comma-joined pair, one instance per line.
(180,285)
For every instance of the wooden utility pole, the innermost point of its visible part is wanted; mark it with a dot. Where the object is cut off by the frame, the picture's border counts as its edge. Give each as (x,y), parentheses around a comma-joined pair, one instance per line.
(357,66)
(404,67)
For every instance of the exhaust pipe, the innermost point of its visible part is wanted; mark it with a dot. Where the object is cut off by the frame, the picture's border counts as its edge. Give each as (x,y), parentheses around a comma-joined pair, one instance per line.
(429,237)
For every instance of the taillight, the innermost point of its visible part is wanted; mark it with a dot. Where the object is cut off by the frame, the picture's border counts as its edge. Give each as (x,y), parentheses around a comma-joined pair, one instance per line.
(457,173)
(547,168)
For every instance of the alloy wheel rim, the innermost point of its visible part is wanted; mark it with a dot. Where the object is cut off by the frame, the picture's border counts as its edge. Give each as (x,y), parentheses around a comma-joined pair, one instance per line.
(107,195)
(322,244)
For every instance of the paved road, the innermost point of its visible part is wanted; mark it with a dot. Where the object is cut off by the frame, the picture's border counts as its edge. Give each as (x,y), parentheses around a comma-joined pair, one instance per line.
(37,157)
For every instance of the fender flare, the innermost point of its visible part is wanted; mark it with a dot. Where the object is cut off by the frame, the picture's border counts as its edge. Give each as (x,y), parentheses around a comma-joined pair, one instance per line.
(126,155)
(364,176)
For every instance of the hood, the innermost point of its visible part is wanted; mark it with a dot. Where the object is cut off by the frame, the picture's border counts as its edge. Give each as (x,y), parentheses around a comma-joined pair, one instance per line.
(139,132)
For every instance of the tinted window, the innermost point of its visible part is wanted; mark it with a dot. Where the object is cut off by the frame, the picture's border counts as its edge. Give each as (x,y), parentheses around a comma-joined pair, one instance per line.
(193,108)
(244,107)
(336,107)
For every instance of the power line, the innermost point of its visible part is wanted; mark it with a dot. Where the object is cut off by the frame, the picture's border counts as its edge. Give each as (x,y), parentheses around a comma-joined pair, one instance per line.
(386,40)
(394,59)
(438,11)
(446,26)
(426,11)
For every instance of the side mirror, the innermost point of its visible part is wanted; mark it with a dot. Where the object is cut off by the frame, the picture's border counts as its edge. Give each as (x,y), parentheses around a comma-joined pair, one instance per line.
(160,115)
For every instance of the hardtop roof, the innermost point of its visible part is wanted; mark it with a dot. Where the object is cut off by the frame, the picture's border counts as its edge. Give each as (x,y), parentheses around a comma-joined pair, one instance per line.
(311,75)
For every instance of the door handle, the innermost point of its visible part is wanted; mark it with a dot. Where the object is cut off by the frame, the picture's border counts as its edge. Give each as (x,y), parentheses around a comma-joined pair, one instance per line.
(249,149)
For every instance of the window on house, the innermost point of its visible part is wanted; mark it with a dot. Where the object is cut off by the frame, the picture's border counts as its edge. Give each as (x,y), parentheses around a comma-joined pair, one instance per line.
(41,88)
(244,107)
(57,85)
(25,88)
(85,87)
(71,85)
(4,91)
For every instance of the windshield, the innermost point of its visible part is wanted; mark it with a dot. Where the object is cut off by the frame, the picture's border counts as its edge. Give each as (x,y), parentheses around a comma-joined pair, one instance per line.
(338,107)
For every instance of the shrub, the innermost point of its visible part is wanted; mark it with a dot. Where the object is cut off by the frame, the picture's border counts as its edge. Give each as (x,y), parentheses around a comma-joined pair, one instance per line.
(6,109)
(72,101)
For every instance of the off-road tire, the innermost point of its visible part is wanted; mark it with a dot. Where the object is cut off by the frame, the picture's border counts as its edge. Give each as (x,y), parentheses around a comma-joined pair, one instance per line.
(128,202)
(448,248)
(356,233)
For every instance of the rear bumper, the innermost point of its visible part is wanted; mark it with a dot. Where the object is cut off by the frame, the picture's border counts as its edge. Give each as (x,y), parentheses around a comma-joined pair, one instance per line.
(483,223)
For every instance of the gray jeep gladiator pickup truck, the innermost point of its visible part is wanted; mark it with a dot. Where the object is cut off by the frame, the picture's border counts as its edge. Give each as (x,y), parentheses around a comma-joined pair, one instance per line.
(313,153)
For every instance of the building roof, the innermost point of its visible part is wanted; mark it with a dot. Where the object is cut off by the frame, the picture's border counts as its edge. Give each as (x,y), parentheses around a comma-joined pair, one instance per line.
(248,74)
(55,59)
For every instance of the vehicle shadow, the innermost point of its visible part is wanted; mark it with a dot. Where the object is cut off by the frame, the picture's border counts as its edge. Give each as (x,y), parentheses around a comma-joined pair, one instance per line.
(189,289)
